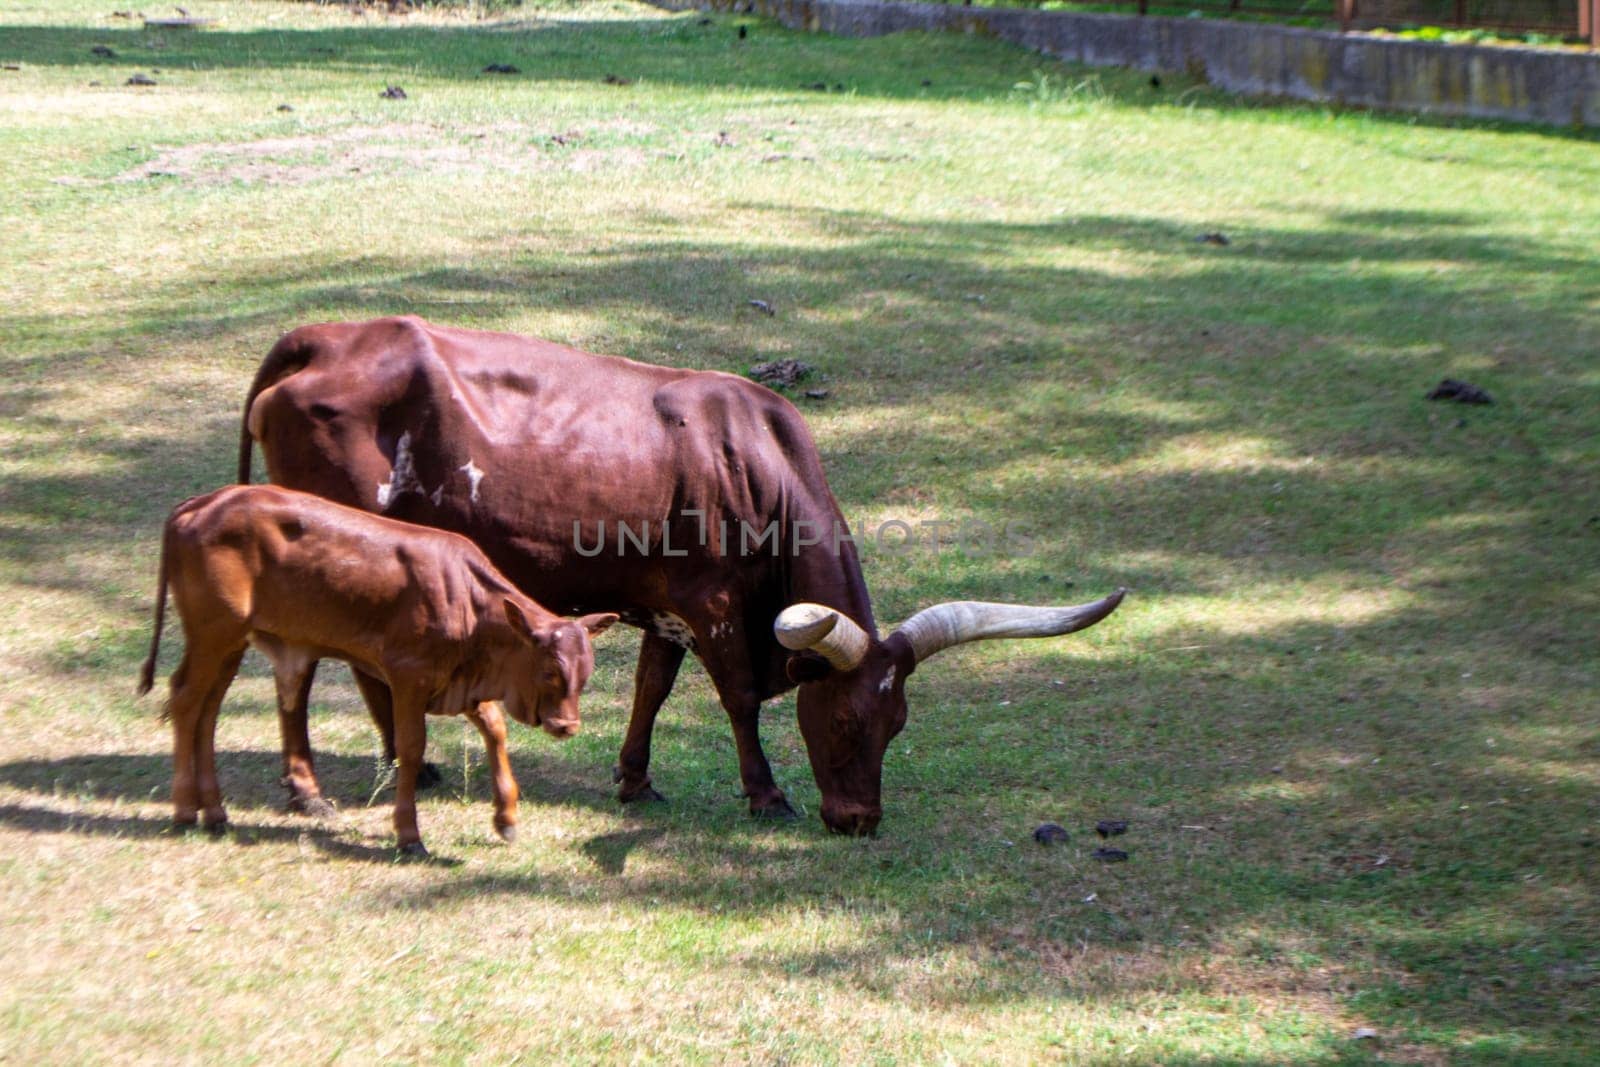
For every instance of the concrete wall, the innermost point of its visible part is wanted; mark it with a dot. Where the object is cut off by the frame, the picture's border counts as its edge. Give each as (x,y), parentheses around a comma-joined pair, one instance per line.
(1549,86)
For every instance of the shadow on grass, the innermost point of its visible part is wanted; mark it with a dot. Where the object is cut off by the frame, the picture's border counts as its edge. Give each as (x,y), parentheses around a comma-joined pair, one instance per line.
(48,821)
(689,49)
(250,779)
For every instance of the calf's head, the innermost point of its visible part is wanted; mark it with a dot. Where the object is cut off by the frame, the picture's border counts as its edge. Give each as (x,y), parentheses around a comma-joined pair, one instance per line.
(852,699)
(552,665)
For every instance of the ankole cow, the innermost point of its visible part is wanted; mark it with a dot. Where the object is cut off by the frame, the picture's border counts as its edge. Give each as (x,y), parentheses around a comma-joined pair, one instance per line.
(420,611)
(730,551)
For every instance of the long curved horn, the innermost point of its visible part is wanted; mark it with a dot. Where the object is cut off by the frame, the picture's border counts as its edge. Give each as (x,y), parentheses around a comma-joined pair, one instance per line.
(932,630)
(837,638)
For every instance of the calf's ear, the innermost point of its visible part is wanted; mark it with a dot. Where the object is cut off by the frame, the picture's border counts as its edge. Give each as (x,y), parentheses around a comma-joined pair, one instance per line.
(599,623)
(519,622)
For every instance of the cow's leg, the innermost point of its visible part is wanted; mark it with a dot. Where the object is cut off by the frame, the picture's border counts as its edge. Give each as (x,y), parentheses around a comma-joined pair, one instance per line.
(727,660)
(492,725)
(659,660)
(380,705)
(410,739)
(766,799)
(212,813)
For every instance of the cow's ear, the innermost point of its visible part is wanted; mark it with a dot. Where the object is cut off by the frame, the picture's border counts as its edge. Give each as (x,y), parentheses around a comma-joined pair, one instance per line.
(599,623)
(519,622)
(807,667)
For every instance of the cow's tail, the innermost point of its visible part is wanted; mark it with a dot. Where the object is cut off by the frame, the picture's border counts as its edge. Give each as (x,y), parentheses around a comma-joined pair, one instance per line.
(147,675)
(287,356)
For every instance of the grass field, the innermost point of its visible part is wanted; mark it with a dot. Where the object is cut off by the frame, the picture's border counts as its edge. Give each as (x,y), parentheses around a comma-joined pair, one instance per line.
(1350,710)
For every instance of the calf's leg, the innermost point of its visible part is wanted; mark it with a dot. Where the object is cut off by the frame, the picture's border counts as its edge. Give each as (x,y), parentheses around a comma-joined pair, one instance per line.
(380,705)
(492,725)
(659,660)
(197,689)
(212,813)
(294,677)
(410,739)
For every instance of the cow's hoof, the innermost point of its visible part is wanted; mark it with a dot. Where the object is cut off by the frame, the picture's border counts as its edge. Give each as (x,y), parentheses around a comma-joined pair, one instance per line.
(777,809)
(185,820)
(645,794)
(216,825)
(315,807)
(414,851)
(429,775)
(508,834)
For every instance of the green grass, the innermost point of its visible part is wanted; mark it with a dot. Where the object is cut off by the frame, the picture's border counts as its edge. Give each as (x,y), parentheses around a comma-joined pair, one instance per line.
(1350,709)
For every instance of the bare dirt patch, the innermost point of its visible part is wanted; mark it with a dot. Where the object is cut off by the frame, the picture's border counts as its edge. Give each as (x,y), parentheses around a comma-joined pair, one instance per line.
(358,151)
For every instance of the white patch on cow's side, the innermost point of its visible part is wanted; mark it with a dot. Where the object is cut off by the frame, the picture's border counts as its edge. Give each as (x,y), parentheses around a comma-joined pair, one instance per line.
(438,494)
(474,475)
(403,478)
(721,629)
(888,681)
(669,627)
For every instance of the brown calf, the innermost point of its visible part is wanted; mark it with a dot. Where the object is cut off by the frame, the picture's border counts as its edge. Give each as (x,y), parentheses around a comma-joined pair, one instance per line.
(421,610)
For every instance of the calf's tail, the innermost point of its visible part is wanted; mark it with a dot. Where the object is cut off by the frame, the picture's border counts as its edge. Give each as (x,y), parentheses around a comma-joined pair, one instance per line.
(147,675)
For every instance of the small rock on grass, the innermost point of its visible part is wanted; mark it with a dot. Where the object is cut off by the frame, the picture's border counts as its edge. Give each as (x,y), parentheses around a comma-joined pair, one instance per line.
(393,92)
(1110,855)
(1219,239)
(1460,392)
(1050,833)
(501,68)
(1111,827)
(103,51)
(761,306)
(816,394)
(140,79)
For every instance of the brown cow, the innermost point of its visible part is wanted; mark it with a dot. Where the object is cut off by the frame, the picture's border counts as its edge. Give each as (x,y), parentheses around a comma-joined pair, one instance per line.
(527,447)
(420,610)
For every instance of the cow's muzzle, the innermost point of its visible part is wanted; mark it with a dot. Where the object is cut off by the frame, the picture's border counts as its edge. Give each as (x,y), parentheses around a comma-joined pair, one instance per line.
(853,820)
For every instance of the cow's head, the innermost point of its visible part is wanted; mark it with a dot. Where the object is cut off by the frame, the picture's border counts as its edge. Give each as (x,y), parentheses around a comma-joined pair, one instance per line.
(552,668)
(852,698)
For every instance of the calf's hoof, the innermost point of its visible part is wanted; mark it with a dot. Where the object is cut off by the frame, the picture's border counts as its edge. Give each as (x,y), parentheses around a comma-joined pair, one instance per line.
(508,833)
(776,808)
(414,851)
(429,775)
